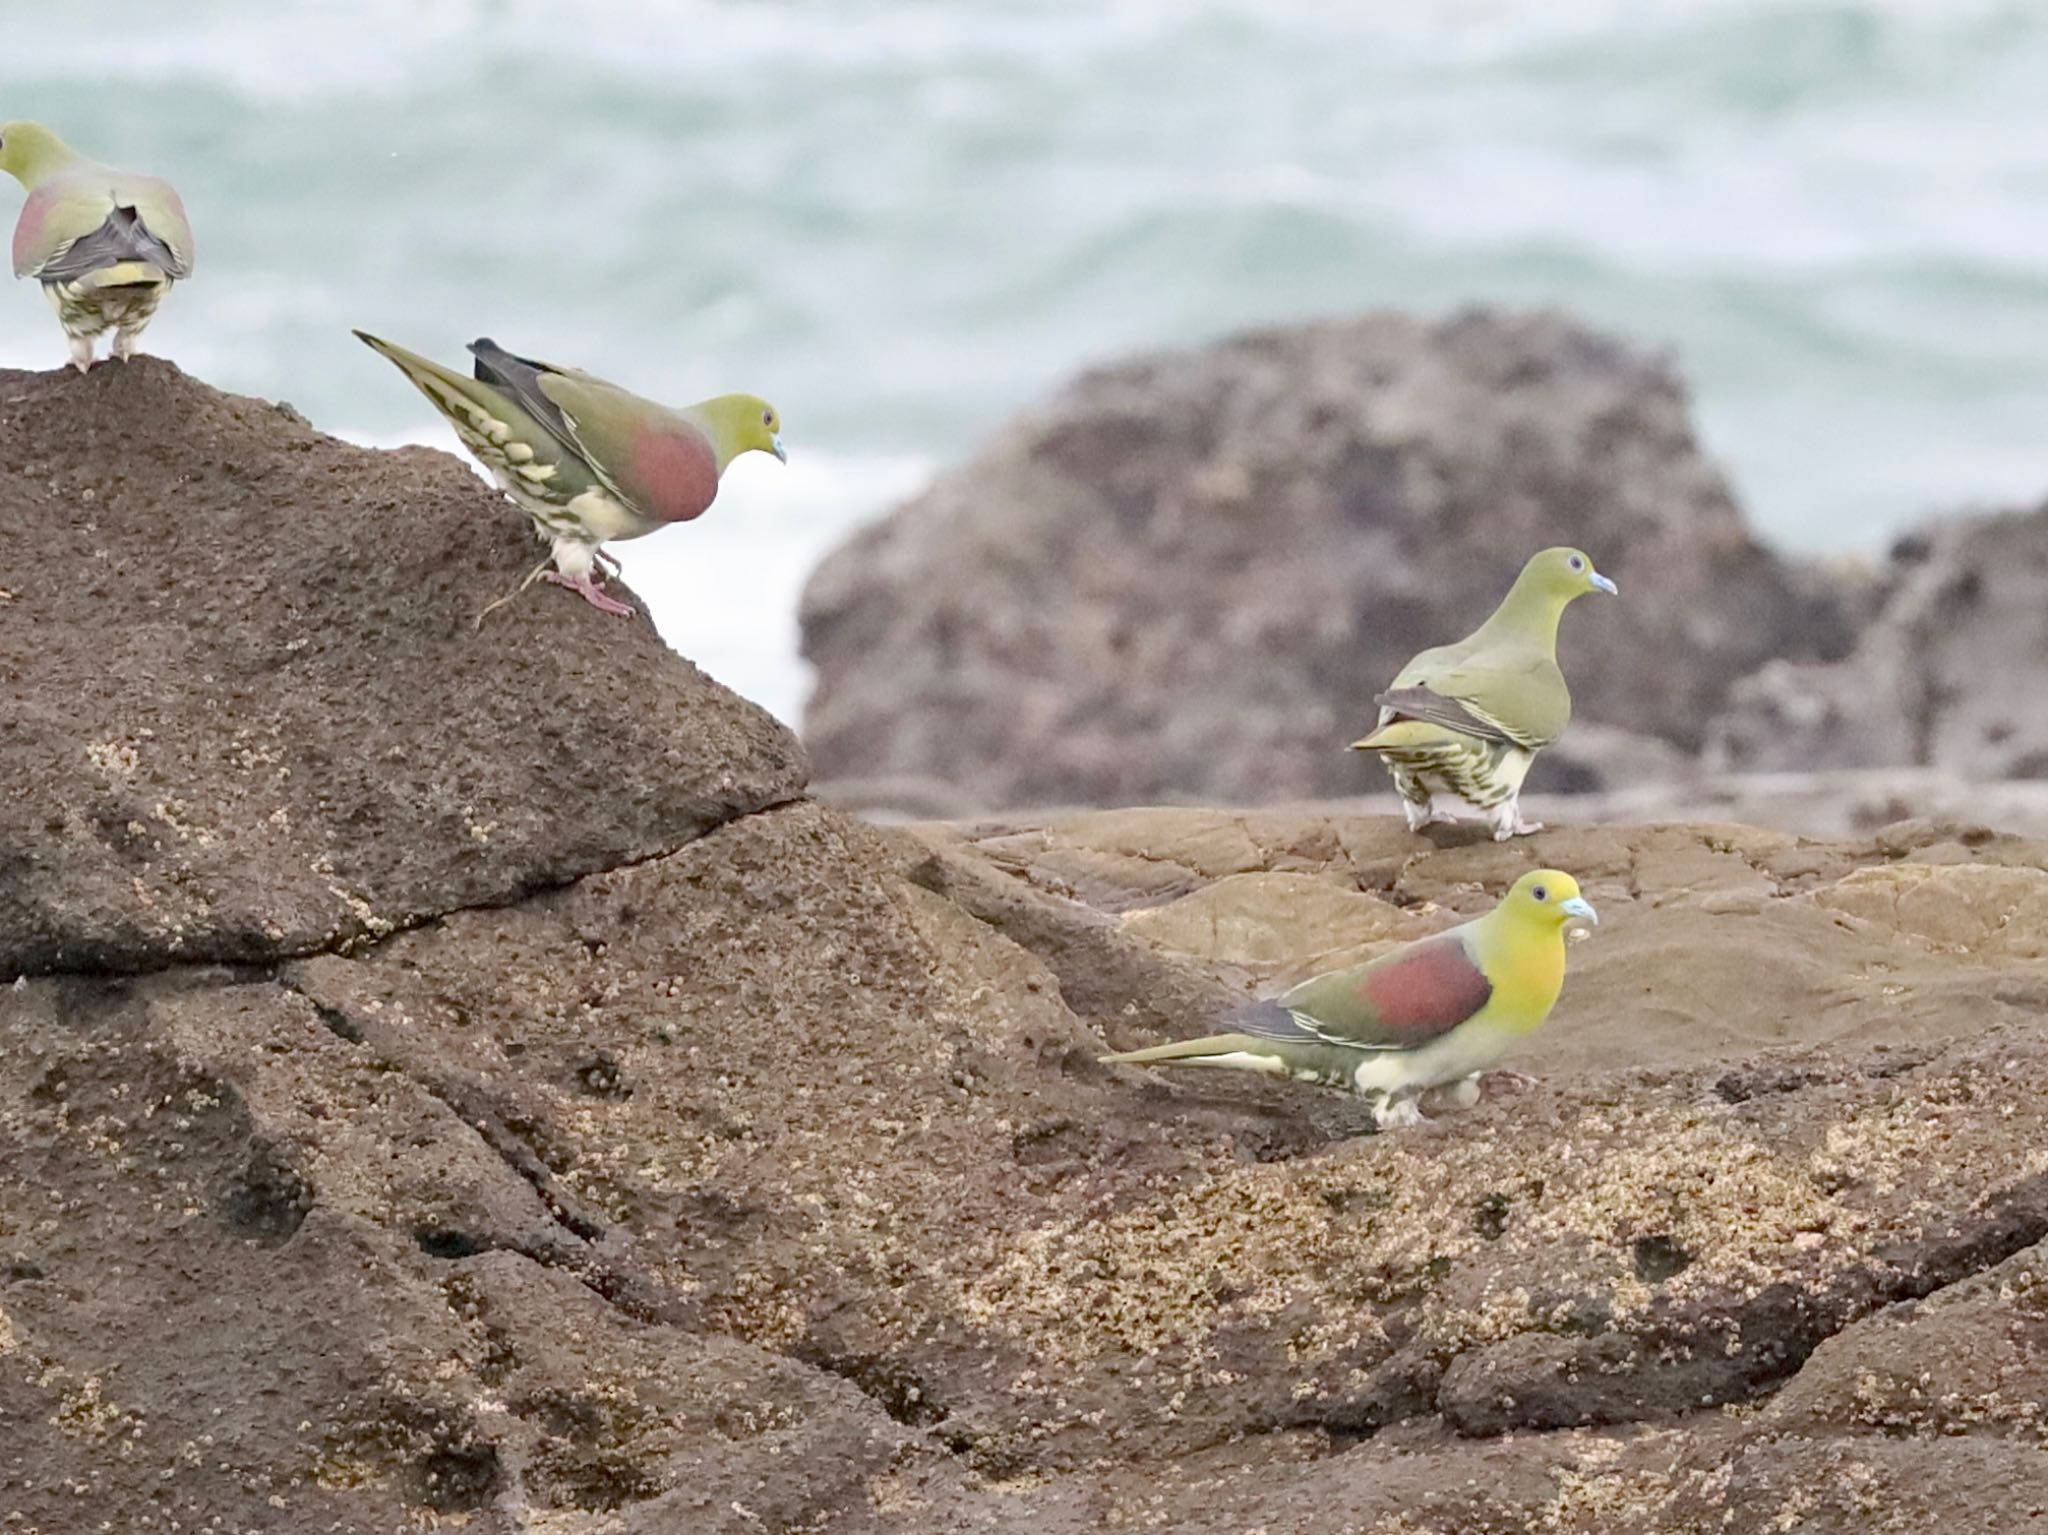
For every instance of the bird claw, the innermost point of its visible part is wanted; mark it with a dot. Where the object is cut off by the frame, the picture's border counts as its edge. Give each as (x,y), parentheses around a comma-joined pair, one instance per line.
(1509,823)
(1504,1080)
(1396,1114)
(589,589)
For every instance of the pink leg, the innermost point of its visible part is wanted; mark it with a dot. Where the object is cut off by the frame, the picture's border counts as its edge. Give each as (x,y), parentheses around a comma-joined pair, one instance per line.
(591,591)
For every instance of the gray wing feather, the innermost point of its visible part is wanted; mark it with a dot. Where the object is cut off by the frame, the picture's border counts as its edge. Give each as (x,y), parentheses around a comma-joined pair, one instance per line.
(520,377)
(123,237)
(1269,1020)
(1419,703)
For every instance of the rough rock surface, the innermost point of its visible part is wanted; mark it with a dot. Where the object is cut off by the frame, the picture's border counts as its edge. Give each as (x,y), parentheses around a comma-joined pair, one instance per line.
(247,710)
(1946,675)
(1187,575)
(769,1182)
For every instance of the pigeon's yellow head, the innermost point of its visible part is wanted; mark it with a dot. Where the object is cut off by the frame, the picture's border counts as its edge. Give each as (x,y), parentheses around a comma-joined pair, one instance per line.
(742,423)
(29,152)
(1547,898)
(1563,574)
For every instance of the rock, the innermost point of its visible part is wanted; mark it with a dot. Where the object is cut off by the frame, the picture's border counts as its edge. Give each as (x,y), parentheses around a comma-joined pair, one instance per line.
(1838,804)
(1970,908)
(1927,1415)
(789,1147)
(1272,923)
(1833,804)
(1945,676)
(247,710)
(1973,1359)
(1187,575)
(1546,1380)
(770,1180)
(1592,758)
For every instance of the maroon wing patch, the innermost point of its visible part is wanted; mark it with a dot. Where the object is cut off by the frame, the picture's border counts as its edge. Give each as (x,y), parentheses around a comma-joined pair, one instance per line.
(29,231)
(1427,991)
(675,473)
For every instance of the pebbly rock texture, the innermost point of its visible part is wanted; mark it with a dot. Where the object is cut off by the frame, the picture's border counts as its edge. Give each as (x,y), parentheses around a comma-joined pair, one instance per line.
(768,1181)
(1187,575)
(248,713)
(1946,675)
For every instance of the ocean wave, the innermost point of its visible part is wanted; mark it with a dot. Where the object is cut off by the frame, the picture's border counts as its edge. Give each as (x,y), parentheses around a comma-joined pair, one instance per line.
(283,52)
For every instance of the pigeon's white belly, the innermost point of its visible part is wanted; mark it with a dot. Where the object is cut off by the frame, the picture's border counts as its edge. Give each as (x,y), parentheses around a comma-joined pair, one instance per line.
(605,518)
(1468,1048)
(593,517)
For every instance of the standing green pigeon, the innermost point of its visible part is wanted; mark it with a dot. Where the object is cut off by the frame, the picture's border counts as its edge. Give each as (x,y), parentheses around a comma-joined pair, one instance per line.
(105,244)
(1468,719)
(1437,1011)
(589,461)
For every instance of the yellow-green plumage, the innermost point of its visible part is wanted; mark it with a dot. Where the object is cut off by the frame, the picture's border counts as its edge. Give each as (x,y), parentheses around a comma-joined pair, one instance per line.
(590,462)
(105,244)
(1431,1013)
(1467,719)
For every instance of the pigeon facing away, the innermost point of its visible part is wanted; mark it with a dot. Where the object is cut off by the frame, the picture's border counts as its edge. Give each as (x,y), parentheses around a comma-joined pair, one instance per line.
(588,461)
(105,244)
(1437,1011)
(1468,719)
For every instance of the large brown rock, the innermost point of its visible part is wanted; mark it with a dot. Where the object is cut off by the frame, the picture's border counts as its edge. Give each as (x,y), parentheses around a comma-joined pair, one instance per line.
(247,709)
(1946,675)
(1187,575)
(770,1182)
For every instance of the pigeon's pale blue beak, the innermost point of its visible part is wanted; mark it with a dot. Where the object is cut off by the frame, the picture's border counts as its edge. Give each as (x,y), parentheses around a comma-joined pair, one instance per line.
(783,453)
(1602,584)
(1579,906)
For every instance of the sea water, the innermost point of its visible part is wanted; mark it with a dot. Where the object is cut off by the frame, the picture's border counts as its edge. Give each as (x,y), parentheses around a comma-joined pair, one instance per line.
(904,219)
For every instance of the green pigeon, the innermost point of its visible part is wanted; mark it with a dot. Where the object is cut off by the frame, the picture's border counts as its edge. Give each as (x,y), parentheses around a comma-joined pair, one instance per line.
(1437,1011)
(105,244)
(1468,719)
(588,461)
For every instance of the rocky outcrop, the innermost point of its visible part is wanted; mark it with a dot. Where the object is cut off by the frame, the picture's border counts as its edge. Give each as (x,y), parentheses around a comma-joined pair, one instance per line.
(249,713)
(1186,576)
(760,1175)
(1946,675)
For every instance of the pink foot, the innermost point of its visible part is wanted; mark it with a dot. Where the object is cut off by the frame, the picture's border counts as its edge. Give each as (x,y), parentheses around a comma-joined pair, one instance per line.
(591,592)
